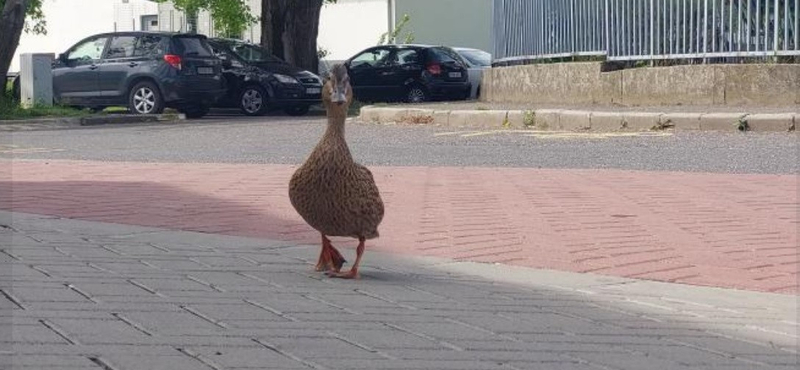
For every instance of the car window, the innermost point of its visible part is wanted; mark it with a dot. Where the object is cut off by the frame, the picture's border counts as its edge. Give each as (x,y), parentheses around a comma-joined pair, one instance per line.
(407,57)
(222,53)
(443,55)
(219,52)
(253,53)
(477,57)
(89,50)
(194,46)
(371,58)
(148,45)
(121,47)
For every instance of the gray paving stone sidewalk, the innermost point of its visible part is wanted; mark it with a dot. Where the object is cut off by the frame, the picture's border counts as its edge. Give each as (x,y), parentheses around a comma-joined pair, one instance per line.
(83,295)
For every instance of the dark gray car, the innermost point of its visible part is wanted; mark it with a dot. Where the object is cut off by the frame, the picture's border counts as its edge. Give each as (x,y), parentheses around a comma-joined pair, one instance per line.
(144,71)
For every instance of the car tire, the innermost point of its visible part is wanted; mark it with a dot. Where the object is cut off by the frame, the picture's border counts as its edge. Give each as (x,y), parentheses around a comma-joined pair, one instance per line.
(416,94)
(145,98)
(195,112)
(300,110)
(253,101)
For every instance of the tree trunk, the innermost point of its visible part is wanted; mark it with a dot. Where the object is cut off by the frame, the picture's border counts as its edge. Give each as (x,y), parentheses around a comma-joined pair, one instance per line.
(266,24)
(12,22)
(273,23)
(300,35)
(191,20)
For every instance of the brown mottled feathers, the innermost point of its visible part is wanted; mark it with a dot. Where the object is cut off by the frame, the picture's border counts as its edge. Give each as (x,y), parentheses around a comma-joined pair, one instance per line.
(333,194)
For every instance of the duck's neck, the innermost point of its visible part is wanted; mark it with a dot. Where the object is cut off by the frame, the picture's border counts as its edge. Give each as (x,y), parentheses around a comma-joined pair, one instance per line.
(336,118)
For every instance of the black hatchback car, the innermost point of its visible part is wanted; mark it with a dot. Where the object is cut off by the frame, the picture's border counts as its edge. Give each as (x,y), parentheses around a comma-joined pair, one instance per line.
(145,71)
(410,73)
(259,81)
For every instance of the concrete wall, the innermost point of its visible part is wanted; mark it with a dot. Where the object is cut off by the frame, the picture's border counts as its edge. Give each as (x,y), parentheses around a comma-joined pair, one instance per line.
(584,83)
(465,23)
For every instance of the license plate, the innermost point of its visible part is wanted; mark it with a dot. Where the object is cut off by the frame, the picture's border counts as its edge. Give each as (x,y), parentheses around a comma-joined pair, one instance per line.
(455,74)
(313,90)
(205,70)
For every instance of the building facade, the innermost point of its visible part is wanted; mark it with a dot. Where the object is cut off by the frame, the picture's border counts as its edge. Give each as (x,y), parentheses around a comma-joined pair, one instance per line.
(349,26)
(69,21)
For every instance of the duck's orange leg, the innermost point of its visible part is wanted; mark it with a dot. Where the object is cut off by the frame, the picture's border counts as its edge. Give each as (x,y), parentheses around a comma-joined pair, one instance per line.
(353,273)
(323,263)
(329,258)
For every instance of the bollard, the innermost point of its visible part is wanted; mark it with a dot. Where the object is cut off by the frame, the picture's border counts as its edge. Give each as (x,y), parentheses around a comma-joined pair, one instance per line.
(36,79)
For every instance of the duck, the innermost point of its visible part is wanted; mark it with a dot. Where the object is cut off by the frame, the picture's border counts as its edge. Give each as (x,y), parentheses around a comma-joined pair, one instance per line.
(333,194)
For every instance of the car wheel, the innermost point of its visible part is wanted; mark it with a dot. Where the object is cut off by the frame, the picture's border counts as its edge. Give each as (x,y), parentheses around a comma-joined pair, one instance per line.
(253,101)
(417,94)
(144,98)
(301,110)
(195,112)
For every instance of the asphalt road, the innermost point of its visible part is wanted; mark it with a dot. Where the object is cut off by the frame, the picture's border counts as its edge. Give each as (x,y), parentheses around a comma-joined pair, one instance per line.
(286,140)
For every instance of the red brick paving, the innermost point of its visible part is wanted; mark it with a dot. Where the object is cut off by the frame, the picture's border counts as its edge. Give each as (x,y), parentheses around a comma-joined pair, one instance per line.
(736,231)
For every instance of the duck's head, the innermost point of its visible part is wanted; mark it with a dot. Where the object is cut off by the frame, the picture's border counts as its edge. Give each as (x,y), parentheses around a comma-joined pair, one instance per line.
(339,85)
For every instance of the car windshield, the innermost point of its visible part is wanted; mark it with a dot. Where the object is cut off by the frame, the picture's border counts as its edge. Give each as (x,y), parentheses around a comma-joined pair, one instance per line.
(253,53)
(477,57)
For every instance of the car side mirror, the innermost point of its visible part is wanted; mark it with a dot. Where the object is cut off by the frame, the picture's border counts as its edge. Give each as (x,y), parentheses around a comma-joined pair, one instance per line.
(62,57)
(227,63)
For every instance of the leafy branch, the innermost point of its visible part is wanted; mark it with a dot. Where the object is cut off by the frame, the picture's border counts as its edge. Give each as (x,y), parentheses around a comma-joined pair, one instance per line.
(391,36)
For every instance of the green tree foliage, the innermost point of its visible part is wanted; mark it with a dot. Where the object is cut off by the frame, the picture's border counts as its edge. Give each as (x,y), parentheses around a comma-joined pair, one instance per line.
(391,37)
(35,22)
(231,17)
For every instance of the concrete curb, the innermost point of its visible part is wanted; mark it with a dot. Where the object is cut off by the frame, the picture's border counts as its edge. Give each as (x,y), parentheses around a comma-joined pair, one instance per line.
(579,120)
(73,122)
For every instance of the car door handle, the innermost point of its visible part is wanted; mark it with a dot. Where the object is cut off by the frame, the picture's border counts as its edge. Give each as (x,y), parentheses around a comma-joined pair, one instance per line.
(93,67)
(133,64)
(387,73)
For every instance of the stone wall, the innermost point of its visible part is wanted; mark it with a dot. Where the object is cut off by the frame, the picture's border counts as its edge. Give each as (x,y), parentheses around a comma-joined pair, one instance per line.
(584,83)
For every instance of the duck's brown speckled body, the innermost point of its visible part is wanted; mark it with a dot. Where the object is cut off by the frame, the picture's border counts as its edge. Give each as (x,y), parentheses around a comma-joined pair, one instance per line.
(331,192)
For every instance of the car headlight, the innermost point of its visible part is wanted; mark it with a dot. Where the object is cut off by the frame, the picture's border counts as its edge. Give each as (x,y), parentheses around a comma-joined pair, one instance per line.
(286,79)
(315,77)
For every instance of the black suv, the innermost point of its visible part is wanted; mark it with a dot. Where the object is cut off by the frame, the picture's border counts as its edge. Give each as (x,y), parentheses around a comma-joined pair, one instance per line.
(259,81)
(145,71)
(411,73)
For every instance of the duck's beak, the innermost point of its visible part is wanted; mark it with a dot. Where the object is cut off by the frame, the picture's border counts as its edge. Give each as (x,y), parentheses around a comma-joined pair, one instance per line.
(339,92)
(338,97)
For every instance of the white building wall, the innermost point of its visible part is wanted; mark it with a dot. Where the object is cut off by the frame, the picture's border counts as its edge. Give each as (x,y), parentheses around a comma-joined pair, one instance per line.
(350,26)
(128,14)
(69,21)
(174,20)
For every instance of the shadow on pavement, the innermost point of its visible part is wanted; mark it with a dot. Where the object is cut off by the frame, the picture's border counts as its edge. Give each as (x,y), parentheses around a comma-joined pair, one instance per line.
(153,205)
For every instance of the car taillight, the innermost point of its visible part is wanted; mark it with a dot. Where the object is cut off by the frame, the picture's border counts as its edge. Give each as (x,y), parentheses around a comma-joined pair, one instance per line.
(173,60)
(434,69)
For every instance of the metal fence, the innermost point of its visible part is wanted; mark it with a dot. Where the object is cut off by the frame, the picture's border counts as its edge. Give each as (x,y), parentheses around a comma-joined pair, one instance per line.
(632,30)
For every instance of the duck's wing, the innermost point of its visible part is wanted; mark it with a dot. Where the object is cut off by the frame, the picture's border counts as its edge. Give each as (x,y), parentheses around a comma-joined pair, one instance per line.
(366,203)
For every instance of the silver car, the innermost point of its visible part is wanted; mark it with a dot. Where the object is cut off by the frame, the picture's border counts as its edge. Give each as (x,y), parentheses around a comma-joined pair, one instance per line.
(477,60)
